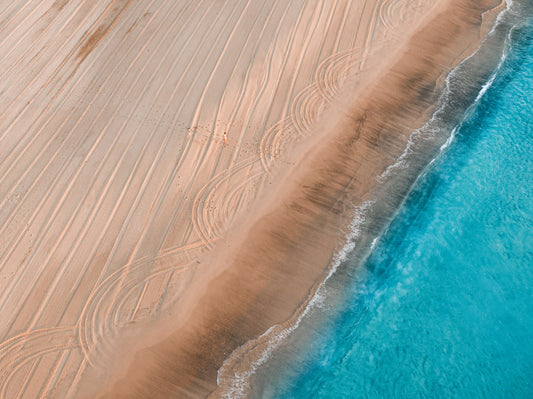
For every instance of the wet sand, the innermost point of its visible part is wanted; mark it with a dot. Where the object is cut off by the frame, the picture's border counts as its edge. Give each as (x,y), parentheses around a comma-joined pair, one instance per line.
(274,260)
(176,176)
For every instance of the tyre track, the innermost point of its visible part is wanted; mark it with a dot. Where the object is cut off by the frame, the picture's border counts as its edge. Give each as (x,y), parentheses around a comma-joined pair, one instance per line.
(211,209)
(236,106)
(18,19)
(101,316)
(9,11)
(262,90)
(62,105)
(333,72)
(34,46)
(32,346)
(174,169)
(305,109)
(197,162)
(59,205)
(67,65)
(56,152)
(230,190)
(394,13)
(271,146)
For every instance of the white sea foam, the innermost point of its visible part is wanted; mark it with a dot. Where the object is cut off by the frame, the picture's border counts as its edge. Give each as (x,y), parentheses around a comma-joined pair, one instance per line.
(506,50)
(235,383)
(431,128)
(233,378)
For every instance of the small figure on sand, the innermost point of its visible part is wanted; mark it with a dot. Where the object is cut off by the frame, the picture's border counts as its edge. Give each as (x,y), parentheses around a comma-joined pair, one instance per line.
(225,138)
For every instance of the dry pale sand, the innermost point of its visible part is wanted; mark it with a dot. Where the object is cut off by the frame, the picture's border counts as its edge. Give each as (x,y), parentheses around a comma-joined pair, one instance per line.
(136,138)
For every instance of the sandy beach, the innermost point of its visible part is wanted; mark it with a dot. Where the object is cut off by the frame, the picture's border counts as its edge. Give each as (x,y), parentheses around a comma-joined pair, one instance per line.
(176,176)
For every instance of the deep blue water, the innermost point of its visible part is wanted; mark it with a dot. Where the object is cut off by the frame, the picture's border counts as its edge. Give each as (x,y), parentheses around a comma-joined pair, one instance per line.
(446,306)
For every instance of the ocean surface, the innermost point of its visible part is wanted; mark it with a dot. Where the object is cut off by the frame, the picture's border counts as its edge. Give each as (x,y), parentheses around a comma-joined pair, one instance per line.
(443,306)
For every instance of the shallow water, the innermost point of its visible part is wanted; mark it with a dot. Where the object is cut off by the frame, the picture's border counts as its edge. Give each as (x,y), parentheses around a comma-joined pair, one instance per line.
(445,304)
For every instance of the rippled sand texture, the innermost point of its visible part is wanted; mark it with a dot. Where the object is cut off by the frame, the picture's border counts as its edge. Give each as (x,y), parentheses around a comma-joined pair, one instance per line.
(131,134)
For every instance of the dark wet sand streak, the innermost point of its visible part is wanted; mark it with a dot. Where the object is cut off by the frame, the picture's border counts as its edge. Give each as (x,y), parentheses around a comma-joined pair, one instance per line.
(272,267)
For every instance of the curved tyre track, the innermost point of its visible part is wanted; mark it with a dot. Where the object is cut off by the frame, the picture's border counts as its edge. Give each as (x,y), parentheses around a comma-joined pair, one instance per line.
(223,197)
(334,70)
(29,348)
(106,310)
(394,13)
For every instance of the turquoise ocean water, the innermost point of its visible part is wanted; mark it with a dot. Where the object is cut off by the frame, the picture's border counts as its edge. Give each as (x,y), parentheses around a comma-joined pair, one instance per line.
(444,307)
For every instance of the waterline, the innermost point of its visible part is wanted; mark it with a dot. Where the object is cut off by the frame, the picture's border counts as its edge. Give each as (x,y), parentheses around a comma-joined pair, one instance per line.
(445,304)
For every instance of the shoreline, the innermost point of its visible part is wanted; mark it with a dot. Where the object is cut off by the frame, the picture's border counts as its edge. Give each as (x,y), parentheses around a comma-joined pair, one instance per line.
(359,245)
(360,240)
(389,321)
(320,212)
